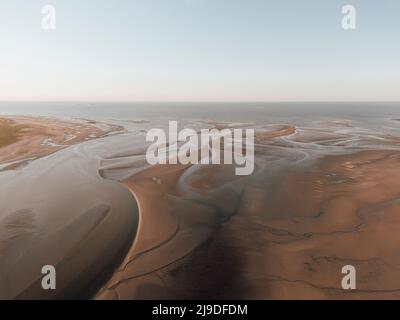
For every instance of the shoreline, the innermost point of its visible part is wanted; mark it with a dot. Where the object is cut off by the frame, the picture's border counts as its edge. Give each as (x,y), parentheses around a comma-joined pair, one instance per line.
(37,137)
(199,231)
(46,220)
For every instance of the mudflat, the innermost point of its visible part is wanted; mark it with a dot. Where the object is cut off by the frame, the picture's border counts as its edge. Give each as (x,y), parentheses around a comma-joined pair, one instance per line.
(321,197)
(284,233)
(24,137)
(56,211)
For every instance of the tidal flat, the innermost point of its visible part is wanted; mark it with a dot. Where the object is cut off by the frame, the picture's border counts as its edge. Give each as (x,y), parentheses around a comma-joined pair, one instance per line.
(324,194)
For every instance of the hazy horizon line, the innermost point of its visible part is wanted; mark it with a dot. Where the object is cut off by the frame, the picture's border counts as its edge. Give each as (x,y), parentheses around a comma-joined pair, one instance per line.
(205,101)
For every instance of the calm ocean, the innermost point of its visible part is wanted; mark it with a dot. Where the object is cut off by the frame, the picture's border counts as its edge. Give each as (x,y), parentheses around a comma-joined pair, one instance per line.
(297,113)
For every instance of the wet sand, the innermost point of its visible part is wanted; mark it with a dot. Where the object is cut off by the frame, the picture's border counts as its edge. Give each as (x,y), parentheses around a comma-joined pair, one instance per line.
(343,212)
(321,197)
(33,137)
(57,211)
(206,234)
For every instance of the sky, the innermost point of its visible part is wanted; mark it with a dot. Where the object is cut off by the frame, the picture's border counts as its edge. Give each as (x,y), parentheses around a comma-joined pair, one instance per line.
(199,50)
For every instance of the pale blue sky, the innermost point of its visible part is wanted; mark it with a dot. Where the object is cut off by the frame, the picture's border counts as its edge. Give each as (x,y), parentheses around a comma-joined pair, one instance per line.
(200,50)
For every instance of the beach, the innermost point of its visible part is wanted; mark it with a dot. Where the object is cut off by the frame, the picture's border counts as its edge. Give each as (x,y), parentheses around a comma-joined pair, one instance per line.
(28,138)
(54,212)
(322,196)
(190,150)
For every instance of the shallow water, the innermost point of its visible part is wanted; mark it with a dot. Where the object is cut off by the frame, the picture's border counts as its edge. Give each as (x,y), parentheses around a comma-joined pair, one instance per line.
(296,113)
(47,197)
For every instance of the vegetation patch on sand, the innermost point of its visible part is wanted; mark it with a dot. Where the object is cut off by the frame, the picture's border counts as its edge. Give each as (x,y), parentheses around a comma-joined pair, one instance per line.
(9,132)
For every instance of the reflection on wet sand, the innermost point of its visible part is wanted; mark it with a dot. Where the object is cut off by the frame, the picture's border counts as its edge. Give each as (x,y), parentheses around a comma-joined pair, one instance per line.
(322,196)
(312,207)
(57,211)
